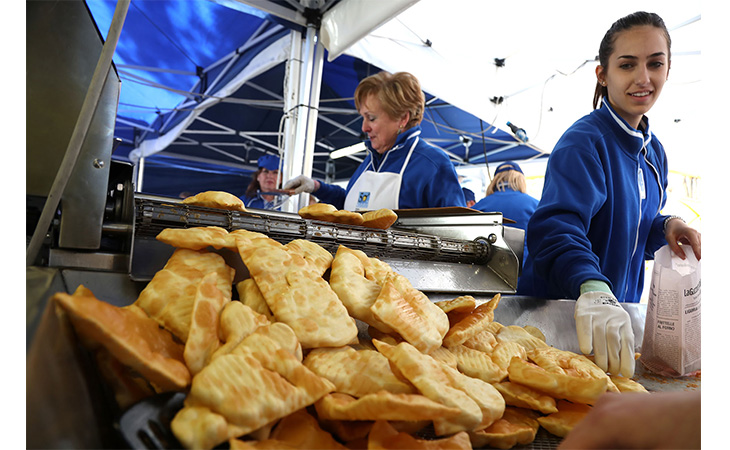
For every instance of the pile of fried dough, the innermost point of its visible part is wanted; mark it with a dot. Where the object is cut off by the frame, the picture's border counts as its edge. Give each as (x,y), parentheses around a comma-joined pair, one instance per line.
(286,366)
(380,218)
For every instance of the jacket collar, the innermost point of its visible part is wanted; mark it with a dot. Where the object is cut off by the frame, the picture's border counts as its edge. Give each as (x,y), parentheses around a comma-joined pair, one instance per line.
(632,138)
(399,142)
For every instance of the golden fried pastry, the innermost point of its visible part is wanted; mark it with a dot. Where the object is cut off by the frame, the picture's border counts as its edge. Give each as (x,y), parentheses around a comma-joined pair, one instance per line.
(516,427)
(350,281)
(296,295)
(301,430)
(384,436)
(503,353)
(480,403)
(168,297)
(627,384)
(477,364)
(347,217)
(382,405)
(133,339)
(203,338)
(442,355)
(472,324)
(535,332)
(484,341)
(356,372)
(381,218)
(200,428)
(514,333)
(462,304)
(250,295)
(216,199)
(405,316)
(197,238)
(567,417)
(252,388)
(237,321)
(317,257)
(267,340)
(525,397)
(562,374)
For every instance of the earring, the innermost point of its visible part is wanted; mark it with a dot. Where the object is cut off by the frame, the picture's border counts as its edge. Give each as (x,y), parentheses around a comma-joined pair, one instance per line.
(603,83)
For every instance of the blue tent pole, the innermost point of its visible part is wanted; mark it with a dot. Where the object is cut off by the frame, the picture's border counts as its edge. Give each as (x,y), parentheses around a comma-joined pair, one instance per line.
(88,108)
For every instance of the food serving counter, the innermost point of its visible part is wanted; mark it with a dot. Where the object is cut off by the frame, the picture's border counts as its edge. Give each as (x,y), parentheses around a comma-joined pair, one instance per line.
(69,407)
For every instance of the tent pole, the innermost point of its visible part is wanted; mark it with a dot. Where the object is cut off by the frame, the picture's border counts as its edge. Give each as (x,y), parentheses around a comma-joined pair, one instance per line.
(299,148)
(86,115)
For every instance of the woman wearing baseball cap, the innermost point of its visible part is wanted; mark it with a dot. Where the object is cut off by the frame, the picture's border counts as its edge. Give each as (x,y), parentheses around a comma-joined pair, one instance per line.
(265,180)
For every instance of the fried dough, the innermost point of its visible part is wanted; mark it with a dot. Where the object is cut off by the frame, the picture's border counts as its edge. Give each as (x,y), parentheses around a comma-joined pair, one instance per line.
(297,295)
(133,339)
(203,338)
(525,397)
(472,324)
(561,374)
(382,405)
(197,238)
(384,436)
(567,417)
(356,372)
(381,218)
(216,199)
(516,426)
(168,297)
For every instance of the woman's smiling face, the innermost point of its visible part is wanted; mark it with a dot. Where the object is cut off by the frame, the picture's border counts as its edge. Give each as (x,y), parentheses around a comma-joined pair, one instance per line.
(637,71)
(382,130)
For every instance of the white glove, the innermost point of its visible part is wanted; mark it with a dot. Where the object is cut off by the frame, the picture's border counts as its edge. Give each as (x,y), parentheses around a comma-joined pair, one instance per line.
(300,184)
(605,327)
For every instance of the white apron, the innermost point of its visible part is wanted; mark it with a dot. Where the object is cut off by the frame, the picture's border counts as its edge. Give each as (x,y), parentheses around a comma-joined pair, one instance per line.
(374,190)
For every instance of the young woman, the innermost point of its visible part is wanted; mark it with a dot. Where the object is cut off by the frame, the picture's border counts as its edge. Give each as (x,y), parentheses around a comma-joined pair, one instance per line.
(599,216)
(259,192)
(401,170)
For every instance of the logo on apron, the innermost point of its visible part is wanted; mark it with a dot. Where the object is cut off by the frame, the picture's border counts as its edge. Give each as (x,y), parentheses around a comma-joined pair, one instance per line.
(363,198)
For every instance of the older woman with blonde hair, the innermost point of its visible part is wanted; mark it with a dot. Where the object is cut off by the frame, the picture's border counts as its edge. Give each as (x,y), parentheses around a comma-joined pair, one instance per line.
(401,170)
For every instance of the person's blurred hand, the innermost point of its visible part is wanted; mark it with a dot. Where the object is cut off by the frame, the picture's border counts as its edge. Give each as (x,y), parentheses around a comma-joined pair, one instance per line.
(639,420)
(300,184)
(604,328)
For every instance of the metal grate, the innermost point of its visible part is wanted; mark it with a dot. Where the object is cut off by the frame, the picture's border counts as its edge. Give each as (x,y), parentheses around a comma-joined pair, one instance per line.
(153,216)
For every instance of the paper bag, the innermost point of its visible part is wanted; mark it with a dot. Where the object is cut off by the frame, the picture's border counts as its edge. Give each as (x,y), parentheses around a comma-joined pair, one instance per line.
(672,333)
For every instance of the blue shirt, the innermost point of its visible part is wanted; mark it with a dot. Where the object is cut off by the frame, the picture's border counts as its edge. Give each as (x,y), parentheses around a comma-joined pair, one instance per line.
(514,205)
(429,180)
(598,218)
(259,202)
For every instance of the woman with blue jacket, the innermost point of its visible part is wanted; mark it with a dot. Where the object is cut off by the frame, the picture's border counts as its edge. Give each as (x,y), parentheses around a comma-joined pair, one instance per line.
(599,216)
(401,170)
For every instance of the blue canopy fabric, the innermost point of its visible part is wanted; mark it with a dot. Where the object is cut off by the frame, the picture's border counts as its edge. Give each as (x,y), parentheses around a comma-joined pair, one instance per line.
(174,56)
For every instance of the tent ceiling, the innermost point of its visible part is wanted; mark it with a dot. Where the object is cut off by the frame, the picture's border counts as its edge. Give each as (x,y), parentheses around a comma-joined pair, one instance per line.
(173,55)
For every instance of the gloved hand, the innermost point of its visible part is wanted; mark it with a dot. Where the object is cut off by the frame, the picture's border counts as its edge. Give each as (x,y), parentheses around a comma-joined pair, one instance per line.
(604,327)
(300,184)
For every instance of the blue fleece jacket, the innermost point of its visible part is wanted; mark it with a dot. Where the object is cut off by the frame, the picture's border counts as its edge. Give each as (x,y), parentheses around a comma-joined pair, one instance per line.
(429,180)
(598,218)
(514,205)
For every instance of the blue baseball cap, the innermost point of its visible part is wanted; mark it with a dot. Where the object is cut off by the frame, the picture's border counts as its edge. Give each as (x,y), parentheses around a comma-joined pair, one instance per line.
(508,165)
(269,162)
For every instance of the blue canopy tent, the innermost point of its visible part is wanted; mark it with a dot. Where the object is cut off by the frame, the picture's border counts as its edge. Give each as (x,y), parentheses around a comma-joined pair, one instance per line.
(204,96)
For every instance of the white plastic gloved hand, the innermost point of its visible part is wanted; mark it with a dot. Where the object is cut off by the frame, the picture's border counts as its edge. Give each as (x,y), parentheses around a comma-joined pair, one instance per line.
(604,327)
(300,184)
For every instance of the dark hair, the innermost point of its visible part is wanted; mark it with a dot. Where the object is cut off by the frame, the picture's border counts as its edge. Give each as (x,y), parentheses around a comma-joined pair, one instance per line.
(604,52)
(254,185)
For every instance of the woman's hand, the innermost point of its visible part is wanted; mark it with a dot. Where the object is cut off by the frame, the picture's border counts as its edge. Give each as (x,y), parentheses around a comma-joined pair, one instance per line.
(676,232)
